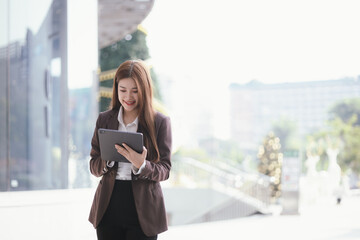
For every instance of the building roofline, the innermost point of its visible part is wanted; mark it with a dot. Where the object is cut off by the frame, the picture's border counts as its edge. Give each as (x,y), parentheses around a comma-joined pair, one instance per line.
(255,84)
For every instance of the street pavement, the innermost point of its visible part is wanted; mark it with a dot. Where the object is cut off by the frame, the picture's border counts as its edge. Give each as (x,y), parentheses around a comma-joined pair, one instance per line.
(324,221)
(62,214)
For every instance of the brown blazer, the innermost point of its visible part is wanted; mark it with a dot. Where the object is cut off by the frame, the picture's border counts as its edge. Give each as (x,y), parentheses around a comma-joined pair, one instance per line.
(148,195)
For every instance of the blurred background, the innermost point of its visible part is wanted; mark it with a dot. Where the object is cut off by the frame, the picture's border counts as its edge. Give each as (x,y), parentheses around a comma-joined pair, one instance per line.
(263,96)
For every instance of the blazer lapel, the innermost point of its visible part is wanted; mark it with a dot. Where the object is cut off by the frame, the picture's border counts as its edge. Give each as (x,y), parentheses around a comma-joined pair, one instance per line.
(113,122)
(139,129)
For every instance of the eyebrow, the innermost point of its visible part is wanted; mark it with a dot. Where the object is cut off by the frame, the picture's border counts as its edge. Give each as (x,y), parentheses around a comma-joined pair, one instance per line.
(125,87)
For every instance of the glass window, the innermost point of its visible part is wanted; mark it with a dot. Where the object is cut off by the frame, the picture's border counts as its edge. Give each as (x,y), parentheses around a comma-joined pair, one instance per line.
(33,106)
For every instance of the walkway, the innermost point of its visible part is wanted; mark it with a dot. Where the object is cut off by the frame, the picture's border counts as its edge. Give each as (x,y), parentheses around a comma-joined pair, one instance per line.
(62,214)
(325,222)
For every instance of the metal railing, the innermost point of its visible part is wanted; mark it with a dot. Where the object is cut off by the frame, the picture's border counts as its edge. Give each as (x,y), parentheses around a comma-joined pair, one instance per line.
(253,189)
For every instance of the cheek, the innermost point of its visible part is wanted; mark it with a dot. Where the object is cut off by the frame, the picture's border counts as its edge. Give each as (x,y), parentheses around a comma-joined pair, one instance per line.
(121,96)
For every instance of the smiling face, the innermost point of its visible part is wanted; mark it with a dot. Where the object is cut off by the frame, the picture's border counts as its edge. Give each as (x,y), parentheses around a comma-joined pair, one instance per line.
(128,95)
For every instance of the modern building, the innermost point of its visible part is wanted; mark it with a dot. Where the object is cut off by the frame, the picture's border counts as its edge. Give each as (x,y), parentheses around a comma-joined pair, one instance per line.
(38,130)
(34,90)
(255,106)
(83,111)
(129,14)
(120,38)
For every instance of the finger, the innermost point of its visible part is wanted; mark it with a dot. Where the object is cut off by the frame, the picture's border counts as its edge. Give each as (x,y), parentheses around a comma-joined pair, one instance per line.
(118,146)
(125,146)
(129,149)
(144,153)
(121,150)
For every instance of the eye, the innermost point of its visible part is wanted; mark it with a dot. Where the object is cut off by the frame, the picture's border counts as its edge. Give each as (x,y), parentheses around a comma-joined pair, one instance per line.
(135,91)
(122,90)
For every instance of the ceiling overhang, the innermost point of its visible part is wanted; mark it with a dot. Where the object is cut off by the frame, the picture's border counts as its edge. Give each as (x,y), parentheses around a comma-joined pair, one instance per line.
(117,18)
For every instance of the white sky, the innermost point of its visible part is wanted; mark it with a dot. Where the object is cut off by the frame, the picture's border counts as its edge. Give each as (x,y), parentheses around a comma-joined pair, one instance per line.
(272,41)
(223,41)
(204,45)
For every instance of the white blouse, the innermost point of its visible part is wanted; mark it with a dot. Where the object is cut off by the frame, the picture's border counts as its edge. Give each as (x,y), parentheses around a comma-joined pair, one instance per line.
(124,168)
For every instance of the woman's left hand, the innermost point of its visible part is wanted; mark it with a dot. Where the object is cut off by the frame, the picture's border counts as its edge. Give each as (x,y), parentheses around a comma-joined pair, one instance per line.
(137,159)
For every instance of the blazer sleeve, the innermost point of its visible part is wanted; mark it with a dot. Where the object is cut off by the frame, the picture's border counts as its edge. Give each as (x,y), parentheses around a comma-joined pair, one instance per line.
(160,171)
(98,167)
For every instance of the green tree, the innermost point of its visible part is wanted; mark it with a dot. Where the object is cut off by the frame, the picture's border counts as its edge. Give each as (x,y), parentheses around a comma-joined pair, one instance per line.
(343,132)
(345,124)
(345,110)
(133,46)
(286,130)
(349,134)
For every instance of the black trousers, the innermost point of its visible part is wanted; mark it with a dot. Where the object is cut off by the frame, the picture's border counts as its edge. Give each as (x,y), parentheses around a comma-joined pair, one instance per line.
(120,221)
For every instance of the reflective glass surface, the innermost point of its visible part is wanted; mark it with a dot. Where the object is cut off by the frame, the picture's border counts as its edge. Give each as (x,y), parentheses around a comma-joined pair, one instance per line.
(33,106)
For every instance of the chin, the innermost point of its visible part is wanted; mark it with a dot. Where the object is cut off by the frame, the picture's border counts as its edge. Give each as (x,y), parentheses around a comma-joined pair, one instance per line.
(129,109)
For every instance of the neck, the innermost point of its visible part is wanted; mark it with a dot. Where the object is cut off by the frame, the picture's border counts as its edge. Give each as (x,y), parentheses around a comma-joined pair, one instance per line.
(129,117)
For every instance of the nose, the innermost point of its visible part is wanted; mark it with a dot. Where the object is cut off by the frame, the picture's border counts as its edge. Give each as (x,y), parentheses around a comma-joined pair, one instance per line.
(128,95)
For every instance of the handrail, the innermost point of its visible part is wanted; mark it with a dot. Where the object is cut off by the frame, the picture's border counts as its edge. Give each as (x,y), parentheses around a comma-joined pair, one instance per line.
(251,185)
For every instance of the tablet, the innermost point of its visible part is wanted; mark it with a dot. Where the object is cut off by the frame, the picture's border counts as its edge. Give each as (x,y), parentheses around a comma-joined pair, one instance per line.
(108,138)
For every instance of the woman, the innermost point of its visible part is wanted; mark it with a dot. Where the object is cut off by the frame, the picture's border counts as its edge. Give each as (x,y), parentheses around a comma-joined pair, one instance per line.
(128,202)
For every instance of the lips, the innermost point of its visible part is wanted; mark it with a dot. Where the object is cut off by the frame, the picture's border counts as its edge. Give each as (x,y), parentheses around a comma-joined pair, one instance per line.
(129,103)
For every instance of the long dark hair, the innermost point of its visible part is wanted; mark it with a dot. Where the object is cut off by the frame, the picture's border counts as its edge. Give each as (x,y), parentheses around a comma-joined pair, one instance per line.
(139,72)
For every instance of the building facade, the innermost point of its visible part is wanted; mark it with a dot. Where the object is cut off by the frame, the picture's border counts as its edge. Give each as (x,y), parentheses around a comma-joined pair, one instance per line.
(256,106)
(120,38)
(46,128)
(34,135)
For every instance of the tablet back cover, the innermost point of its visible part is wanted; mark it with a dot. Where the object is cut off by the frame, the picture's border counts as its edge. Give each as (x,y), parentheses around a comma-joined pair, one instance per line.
(108,138)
